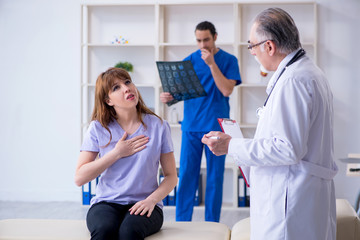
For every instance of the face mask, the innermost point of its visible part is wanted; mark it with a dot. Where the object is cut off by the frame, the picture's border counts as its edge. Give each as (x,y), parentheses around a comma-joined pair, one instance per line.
(263,71)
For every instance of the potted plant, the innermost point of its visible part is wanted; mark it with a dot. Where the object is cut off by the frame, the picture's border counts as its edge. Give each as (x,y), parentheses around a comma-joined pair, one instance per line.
(125,65)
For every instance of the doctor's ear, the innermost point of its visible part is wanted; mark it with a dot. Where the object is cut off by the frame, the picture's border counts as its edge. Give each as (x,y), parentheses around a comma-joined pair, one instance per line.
(215,37)
(270,47)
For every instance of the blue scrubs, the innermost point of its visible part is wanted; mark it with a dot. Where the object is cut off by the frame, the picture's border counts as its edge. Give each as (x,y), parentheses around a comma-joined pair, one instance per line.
(200,117)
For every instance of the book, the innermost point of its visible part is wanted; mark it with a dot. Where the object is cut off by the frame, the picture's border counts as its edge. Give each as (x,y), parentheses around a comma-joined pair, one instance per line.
(165,200)
(241,192)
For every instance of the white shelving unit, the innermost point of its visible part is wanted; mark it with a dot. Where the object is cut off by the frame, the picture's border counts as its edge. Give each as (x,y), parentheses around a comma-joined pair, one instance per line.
(165,32)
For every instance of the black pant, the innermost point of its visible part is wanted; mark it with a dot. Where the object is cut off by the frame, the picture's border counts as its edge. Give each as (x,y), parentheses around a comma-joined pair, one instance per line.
(113,221)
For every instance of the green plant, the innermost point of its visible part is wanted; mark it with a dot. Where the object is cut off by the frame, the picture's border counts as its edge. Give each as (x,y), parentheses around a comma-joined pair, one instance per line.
(125,65)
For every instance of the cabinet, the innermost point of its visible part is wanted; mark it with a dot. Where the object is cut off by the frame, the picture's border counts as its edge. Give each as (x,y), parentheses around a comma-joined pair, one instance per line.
(165,32)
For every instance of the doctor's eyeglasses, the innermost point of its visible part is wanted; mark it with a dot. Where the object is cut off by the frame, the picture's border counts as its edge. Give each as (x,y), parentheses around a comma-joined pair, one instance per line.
(251,46)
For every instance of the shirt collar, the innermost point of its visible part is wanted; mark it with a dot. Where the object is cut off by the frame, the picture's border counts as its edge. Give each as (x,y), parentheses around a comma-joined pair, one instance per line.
(279,69)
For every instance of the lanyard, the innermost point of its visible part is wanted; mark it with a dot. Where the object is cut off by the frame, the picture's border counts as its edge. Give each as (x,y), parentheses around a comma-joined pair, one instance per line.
(296,57)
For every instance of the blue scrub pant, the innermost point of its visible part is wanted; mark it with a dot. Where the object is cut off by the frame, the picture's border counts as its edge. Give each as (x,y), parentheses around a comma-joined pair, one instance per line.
(189,172)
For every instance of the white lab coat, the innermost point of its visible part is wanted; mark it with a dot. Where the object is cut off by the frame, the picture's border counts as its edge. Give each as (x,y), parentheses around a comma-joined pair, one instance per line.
(291,158)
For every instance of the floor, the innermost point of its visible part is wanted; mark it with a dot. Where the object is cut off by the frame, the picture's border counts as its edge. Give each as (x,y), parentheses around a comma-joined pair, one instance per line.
(74,210)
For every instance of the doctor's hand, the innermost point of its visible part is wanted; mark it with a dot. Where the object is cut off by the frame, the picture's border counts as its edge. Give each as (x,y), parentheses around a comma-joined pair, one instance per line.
(166,97)
(218,142)
(208,56)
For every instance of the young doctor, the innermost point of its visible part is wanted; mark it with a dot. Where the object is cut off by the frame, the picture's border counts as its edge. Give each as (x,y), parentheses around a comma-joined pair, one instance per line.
(218,72)
(291,155)
(131,141)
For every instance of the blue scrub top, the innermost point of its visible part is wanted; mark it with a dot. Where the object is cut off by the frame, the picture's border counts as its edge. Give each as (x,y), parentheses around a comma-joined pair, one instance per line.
(200,114)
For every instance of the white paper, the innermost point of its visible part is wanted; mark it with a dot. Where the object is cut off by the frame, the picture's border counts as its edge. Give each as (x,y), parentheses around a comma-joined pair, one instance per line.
(231,127)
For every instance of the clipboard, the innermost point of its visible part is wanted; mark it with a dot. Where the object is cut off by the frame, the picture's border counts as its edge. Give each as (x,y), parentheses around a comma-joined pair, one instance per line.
(232,128)
(180,80)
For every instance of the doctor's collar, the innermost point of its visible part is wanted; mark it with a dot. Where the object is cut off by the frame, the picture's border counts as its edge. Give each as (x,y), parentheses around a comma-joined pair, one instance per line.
(294,56)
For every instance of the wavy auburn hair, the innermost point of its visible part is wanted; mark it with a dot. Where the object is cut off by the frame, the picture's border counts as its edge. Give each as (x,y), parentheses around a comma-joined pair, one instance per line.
(102,111)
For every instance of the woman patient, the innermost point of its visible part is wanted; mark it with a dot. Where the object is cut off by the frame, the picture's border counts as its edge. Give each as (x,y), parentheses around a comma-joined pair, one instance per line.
(124,144)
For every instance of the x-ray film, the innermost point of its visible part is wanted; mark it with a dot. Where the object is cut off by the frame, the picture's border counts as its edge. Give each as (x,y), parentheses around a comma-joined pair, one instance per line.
(180,80)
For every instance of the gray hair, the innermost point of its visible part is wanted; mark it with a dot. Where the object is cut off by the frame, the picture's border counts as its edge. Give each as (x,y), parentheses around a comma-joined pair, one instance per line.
(277,25)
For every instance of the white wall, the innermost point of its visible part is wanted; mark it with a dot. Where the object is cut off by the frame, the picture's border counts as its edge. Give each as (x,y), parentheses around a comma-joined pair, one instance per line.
(40,94)
(339,58)
(39,99)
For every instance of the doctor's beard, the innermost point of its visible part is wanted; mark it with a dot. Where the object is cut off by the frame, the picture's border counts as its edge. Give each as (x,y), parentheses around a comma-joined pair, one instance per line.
(263,71)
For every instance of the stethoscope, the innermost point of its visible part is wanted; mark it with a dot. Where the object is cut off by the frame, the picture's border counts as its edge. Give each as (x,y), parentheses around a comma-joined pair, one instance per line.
(296,57)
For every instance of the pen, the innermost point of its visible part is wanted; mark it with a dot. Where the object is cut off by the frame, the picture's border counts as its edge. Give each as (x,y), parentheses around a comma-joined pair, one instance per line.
(214,137)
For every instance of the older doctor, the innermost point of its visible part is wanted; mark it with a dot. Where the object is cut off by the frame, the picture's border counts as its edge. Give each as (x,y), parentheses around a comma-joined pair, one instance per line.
(291,156)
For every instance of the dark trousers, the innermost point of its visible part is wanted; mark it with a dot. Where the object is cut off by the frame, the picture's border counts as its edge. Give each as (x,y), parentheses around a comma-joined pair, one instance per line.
(109,221)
